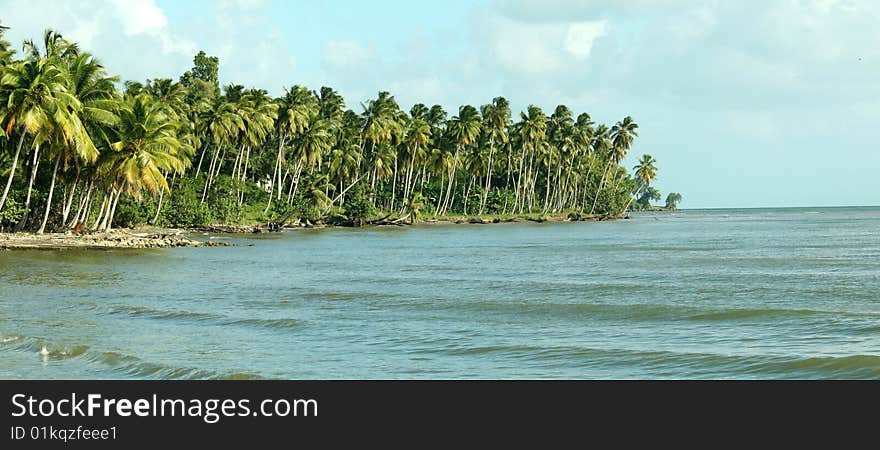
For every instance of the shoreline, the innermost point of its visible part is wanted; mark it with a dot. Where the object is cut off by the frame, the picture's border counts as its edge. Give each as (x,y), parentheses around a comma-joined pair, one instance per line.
(270,227)
(113,239)
(150,237)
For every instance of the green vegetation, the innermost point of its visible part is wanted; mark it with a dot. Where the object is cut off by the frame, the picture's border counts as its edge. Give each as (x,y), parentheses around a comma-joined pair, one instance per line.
(672,200)
(79,152)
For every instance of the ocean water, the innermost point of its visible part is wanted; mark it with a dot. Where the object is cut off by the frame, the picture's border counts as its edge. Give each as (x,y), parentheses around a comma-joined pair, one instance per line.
(752,293)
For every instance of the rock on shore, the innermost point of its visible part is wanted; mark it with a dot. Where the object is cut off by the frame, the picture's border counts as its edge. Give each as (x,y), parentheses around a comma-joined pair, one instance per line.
(108,240)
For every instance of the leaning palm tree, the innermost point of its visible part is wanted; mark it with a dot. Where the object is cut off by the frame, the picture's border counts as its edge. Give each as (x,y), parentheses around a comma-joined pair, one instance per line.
(145,147)
(295,108)
(464,130)
(646,173)
(416,142)
(309,147)
(223,122)
(622,135)
(532,134)
(37,103)
(88,81)
(496,117)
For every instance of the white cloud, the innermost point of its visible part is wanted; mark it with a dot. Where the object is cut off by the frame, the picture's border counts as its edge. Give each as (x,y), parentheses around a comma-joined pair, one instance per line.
(342,54)
(140,16)
(537,49)
(580,36)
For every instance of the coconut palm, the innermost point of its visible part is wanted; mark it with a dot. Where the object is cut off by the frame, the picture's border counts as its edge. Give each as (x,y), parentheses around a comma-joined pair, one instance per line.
(144,149)
(37,103)
(496,117)
(416,143)
(532,134)
(295,108)
(464,130)
(646,173)
(622,135)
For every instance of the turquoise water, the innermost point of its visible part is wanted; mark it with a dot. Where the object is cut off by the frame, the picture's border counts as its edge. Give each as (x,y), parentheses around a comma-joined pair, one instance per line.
(763,293)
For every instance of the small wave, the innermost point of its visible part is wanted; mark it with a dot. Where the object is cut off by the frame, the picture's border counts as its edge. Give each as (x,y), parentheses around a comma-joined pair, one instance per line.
(35,345)
(736,314)
(685,364)
(844,367)
(137,368)
(9,338)
(125,365)
(66,352)
(140,311)
(268,323)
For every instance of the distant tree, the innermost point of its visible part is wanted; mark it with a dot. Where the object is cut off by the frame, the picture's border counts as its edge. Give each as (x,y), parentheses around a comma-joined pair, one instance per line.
(647,196)
(358,206)
(201,81)
(205,68)
(672,200)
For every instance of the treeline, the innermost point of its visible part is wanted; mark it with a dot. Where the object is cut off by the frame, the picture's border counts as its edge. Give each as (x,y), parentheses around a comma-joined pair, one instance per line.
(80,151)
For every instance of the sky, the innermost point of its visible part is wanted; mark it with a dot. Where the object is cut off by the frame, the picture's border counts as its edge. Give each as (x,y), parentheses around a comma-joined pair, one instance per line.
(743,103)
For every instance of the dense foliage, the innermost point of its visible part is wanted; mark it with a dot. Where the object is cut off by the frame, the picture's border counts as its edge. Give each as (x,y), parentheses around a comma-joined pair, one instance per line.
(79,152)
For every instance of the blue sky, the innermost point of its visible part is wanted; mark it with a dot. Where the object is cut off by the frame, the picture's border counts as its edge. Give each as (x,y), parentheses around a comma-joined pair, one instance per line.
(744,104)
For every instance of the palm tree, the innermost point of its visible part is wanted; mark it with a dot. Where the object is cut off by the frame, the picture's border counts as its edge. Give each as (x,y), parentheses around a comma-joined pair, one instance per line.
(315,187)
(309,147)
(416,142)
(646,173)
(622,135)
(532,133)
(295,108)
(464,130)
(223,123)
(414,206)
(37,103)
(259,121)
(88,81)
(145,147)
(497,118)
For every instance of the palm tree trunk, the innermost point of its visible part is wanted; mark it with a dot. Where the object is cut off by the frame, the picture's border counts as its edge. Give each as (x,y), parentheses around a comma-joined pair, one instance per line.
(247,159)
(210,174)
(599,188)
(451,178)
(101,212)
(201,158)
(83,202)
(34,166)
(27,202)
(11,171)
(439,200)
(467,193)
(519,189)
(87,208)
(625,208)
(342,194)
(275,174)
(49,198)
(546,193)
(393,186)
(407,188)
(65,211)
(158,208)
(109,224)
(488,175)
(238,160)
